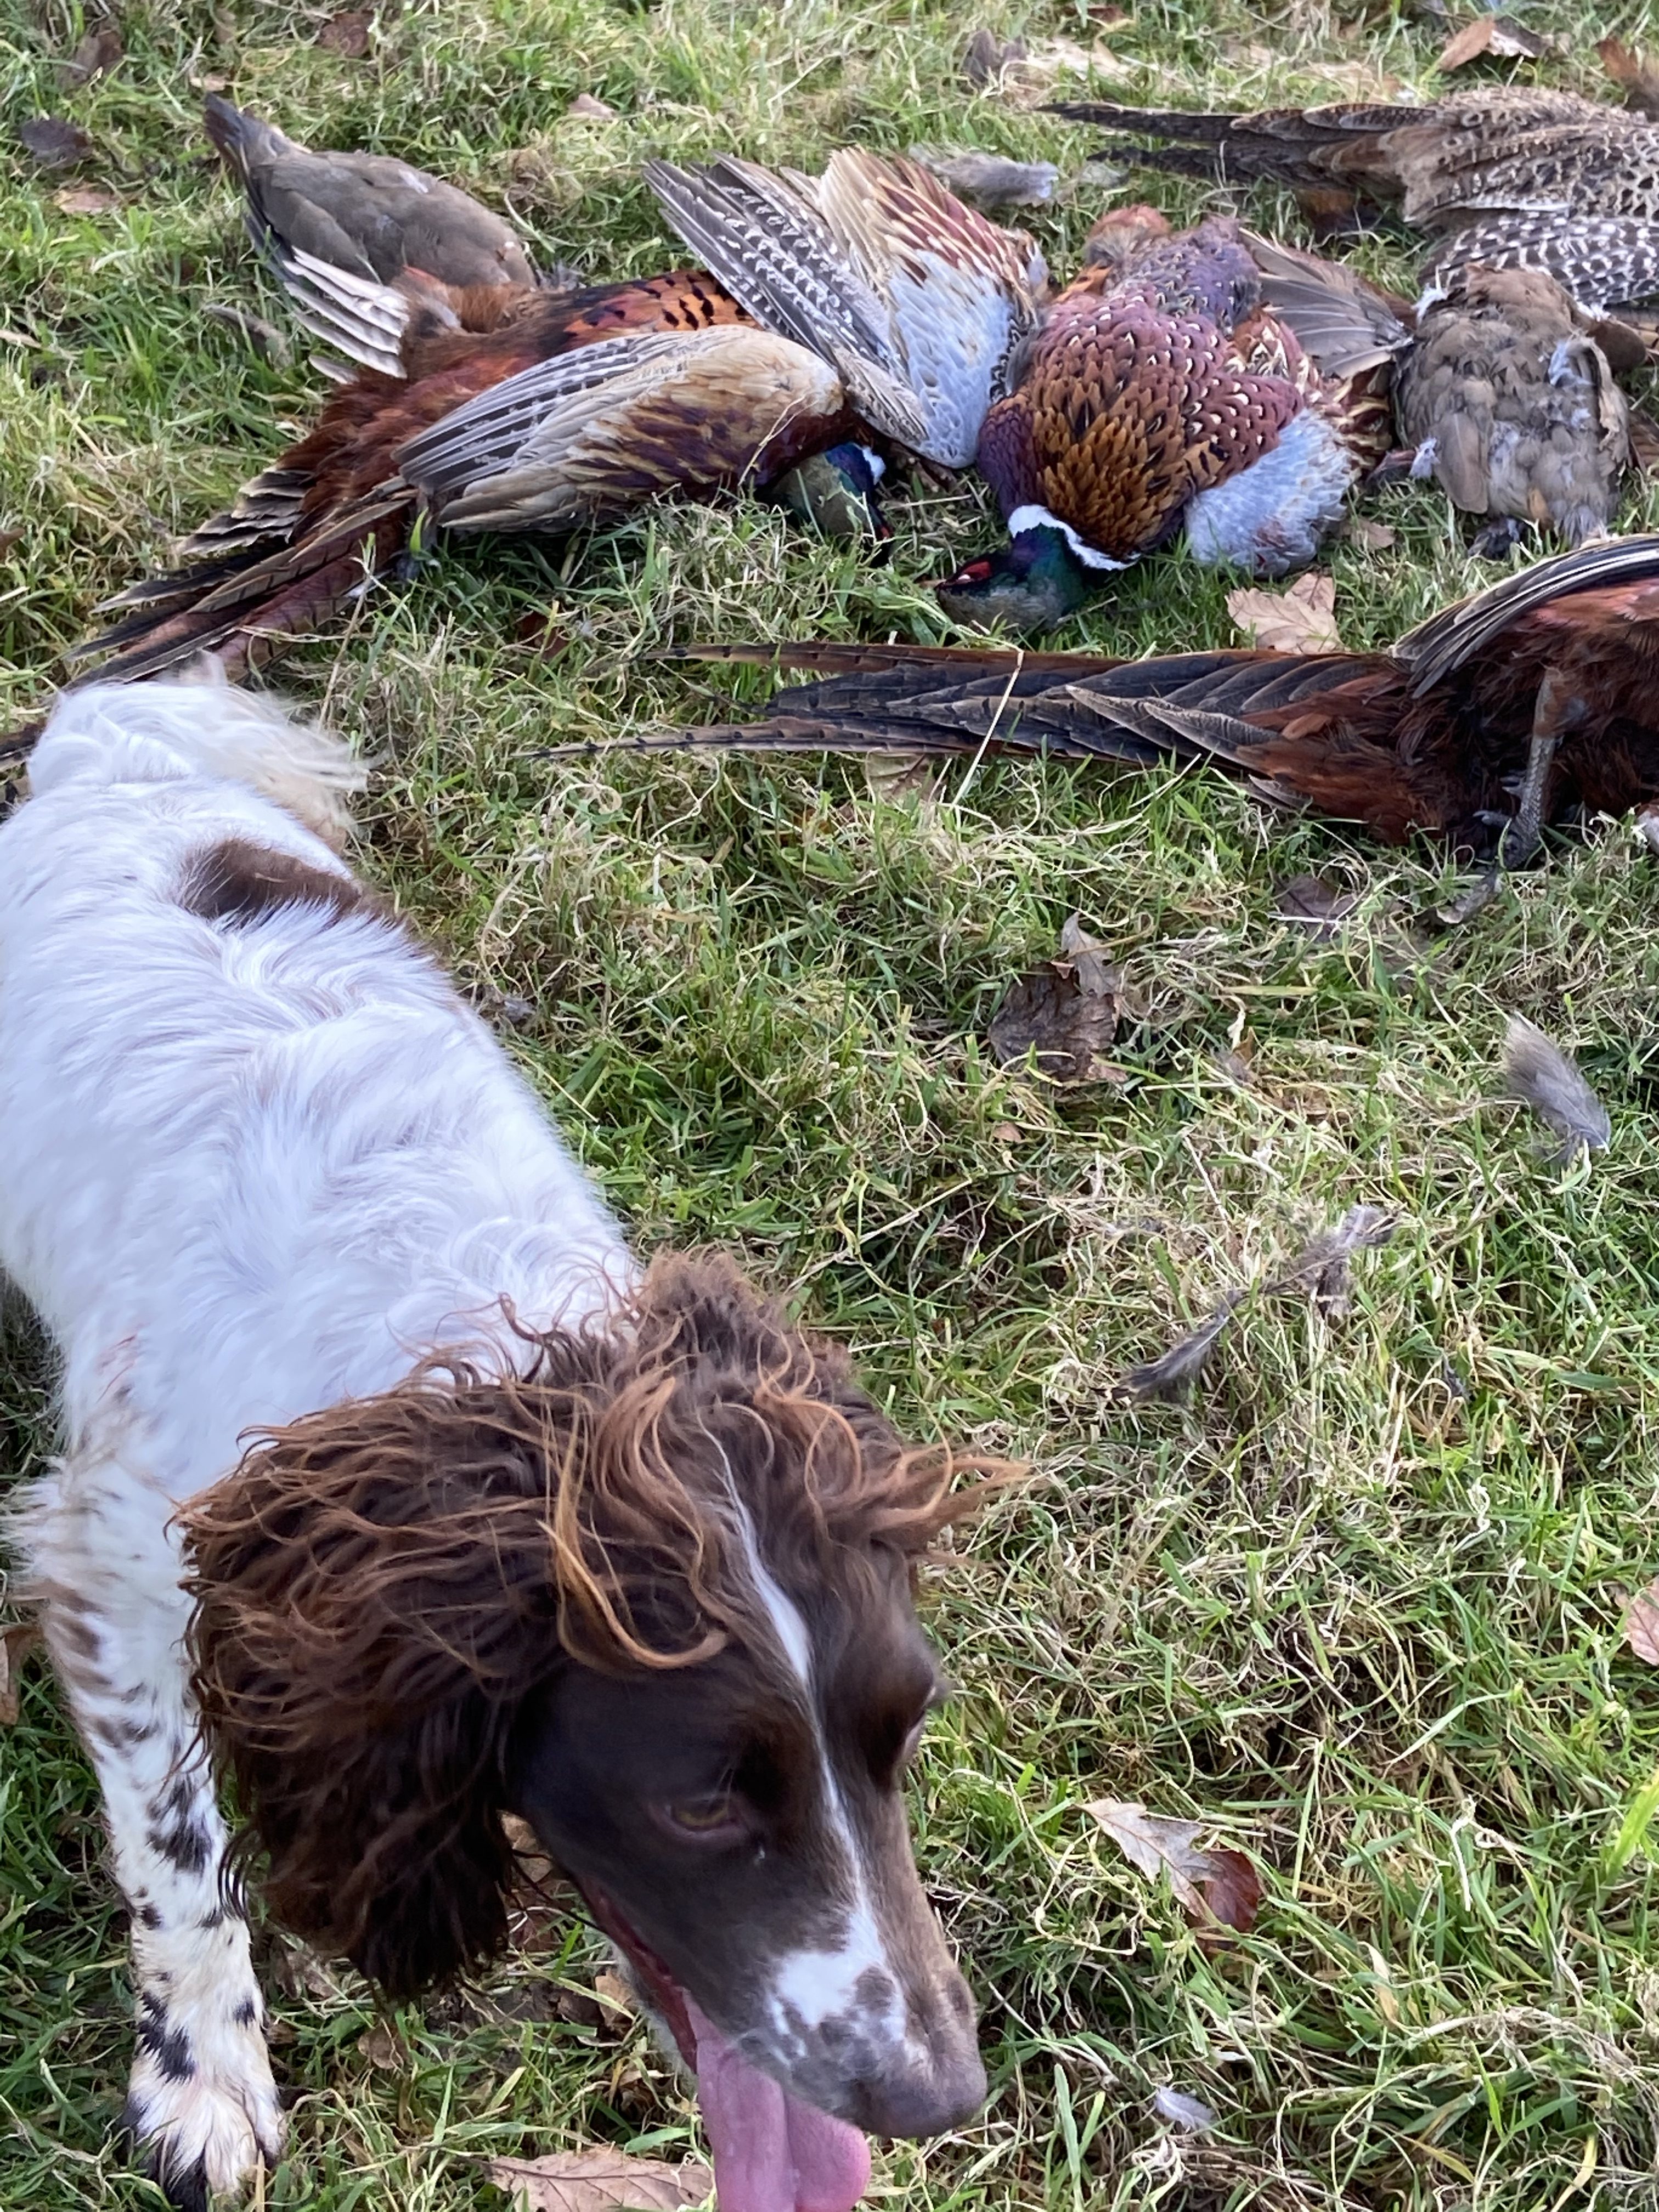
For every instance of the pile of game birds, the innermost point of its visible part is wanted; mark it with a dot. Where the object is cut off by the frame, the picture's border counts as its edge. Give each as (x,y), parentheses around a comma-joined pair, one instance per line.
(1209,383)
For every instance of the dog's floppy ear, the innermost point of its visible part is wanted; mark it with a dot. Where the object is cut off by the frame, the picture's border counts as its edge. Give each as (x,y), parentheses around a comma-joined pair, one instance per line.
(375,1604)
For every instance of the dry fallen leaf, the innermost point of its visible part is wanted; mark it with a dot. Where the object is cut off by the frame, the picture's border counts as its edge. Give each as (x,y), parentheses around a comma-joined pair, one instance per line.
(987,55)
(596,111)
(10,538)
(1065,1011)
(1642,1625)
(1300,619)
(1210,1884)
(1314,905)
(1644,442)
(85,199)
(346,34)
(54,143)
(1501,36)
(613,1993)
(97,53)
(17,1640)
(384,2048)
(1635,73)
(1374,537)
(592,2180)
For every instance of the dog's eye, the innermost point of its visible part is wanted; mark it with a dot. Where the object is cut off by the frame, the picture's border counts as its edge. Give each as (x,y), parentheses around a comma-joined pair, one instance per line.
(716,1814)
(907,1749)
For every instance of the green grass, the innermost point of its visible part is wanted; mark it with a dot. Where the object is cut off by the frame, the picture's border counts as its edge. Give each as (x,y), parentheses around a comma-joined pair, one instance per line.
(1360,1605)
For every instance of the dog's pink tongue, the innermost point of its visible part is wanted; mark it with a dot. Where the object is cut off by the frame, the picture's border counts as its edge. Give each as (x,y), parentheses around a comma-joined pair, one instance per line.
(772,2154)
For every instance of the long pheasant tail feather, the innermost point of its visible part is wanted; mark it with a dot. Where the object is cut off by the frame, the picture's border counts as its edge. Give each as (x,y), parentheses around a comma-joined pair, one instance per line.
(1293,146)
(1446,642)
(844,659)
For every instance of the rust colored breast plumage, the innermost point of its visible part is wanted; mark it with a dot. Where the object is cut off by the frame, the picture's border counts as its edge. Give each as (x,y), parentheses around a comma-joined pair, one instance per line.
(1131,410)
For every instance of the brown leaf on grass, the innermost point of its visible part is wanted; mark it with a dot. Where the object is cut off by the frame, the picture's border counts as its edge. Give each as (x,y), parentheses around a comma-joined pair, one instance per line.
(987,55)
(1107,17)
(1067,1011)
(1300,619)
(384,2048)
(54,143)
(595,111)
(1644,442)
(1210,1884)
(1635,73)
(594,2180)
(8,539)
(264,337)
(97,54)
(85,199)
(614,1994)
(1642,1625)
(1314,905)
(17,1640)
(346,34)
(1500,36)
(1374,537)
(542,630)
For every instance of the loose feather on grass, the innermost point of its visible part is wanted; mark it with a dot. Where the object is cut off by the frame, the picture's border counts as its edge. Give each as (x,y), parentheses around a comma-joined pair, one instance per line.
(1537,1073)
(1322,1269)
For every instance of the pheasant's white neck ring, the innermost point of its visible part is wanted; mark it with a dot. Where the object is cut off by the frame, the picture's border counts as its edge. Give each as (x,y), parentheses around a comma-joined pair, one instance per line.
(1039,517)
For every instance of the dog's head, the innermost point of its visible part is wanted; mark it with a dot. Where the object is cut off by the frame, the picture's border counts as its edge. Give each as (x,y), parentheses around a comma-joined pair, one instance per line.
(654,1598)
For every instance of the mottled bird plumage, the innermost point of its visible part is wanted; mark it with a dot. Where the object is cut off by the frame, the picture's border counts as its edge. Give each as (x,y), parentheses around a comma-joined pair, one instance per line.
(919,302)
(1513,407)
(1434,736)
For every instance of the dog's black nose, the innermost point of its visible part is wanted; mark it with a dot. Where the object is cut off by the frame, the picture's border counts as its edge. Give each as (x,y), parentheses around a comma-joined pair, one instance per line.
(922,2102)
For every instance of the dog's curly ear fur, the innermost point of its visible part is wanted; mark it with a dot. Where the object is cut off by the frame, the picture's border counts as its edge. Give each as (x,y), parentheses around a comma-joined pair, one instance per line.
(373,1609)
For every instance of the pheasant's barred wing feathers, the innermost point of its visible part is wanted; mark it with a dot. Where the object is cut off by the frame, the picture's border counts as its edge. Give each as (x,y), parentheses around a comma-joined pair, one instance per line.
(360,317)
(1345,325)
(591,432)
(1449,640)
(1603,263)
(961,292)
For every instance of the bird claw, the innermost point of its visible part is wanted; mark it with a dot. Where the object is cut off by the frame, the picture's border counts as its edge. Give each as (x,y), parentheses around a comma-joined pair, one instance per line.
(1497,540)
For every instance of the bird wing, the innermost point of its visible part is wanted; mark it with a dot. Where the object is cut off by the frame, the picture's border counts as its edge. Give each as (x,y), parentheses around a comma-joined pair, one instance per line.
(960,290)
(1513,150)
(593,432)
(1449,640)
(1345,323)
(768,242)
(1603,263)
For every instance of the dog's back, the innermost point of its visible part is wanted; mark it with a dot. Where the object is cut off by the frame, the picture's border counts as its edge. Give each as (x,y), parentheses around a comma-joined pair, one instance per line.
(259,1153)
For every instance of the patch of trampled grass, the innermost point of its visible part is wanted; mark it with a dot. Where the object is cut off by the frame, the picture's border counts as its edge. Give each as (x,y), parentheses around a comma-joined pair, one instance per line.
(1359,1605)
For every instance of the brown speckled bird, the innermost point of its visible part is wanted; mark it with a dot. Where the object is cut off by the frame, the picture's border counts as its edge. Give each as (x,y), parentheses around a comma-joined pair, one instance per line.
(1160,395)
(1499,385)
(1513,408)
(1535,699)
(1510,176)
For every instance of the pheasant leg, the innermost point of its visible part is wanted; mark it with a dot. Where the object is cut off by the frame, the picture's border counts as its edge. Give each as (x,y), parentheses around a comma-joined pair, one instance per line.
(1556,709)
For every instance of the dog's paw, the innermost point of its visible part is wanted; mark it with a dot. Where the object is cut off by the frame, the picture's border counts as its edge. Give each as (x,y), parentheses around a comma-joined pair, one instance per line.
(203,2114)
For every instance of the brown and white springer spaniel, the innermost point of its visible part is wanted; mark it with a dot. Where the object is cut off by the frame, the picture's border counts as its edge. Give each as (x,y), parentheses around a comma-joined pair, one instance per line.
(522,1528)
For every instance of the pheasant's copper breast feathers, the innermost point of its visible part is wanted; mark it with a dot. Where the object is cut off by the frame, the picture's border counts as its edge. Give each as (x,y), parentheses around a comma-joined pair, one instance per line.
(1126,412)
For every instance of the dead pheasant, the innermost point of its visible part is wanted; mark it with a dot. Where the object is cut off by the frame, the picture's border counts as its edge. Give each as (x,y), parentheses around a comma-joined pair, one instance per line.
(1510,177)
(506,407)
(1500,386)
(1160,395)
(921,304)
(1535,699)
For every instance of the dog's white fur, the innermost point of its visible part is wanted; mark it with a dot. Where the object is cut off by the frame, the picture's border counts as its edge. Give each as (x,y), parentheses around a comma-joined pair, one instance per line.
(246,1171)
